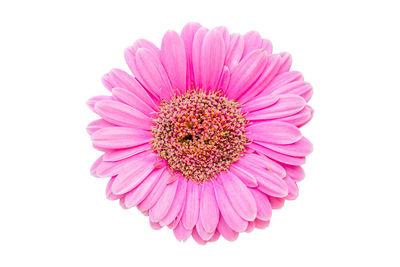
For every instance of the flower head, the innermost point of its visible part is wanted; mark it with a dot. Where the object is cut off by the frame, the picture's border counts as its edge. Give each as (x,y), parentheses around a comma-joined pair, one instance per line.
(204,137)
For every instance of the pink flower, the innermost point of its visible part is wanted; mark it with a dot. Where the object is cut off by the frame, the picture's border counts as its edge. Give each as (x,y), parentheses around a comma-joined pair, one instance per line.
(204,138)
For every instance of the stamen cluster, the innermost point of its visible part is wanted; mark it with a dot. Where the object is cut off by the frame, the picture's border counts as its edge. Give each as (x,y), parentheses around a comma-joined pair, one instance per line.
(199,134)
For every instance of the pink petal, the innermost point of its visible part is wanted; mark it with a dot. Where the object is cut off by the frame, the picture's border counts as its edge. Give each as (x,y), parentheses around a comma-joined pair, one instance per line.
(178,218)
(246,73)
(226,231)
(240,197)
(97,125)
(252,41)
(161,208)
(227,211)
(264,209)
(115,155)
(138,194)
(286,62)
(155,194)
(177,204)
(278,156)
(131,177)
(95,166)
(281,80)
(270,183)
(187,36)
(224,80)
(266,45)
(181,233)
(197,237)
(299,88)
(152,75)
(286,105)
(215,237)
(247,178)
(234,51)
(120,79)
(276,203)
(132,100)
(130,53)
(155,226)
(272,67)
(223,31)
(250,227)
(209,211)
(275,132)
(109,194)
(120,137)
(295,172)
(202,232)
(196,56)
(92,101)
(212,59)
(173,58)
(263,162)
(301,148)
(260,224)
(301,118)
(123,115)
(258,103)
(191,213)
(107,168)
(293,189)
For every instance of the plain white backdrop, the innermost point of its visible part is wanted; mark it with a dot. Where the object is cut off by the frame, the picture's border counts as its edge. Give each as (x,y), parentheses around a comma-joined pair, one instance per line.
(52,57)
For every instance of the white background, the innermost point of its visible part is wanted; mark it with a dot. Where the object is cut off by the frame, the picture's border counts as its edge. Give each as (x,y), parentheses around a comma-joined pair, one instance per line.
(52,57)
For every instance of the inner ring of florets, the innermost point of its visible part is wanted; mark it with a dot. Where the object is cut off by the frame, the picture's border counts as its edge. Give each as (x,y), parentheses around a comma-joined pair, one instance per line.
(199,134)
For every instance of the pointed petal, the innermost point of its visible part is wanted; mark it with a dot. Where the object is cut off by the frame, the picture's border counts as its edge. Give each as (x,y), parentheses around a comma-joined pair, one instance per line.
(209,211)
(240,197)
(230,215)
(173,58)
(120,137)
(191,212)
(123,115)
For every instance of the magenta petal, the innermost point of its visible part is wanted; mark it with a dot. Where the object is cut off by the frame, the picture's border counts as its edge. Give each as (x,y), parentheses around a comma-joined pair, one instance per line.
(281,80)
(202,232)
(293,189)
(299,88)
(177,204)
(274,132)
(161,208)
(234,50)
(131,52)
(138,194)
(276,202)
(123,115)
(264,209)
(250,227)
(130,177)
(226,231)
(173,58)
(295,172)
(120,137)
(263,162)
(301,148)
(187,36)
(197,237)
(152,75)
(109,194)
(286,105)
(252,41)
(191,213)
(155,225)
(240,197)
(246,73)
(215,237)
(196,56)
(209,211)
(286,62)
(227,211)
(301,118)
(258,103)
(260,224)
(211,60)
(270,183)
(129,98)
(224,80)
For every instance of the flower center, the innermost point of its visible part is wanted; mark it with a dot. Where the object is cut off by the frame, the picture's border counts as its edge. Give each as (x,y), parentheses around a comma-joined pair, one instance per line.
(199,134)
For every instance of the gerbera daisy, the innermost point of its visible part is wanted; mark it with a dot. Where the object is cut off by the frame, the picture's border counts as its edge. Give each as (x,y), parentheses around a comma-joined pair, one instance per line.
(204,137)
